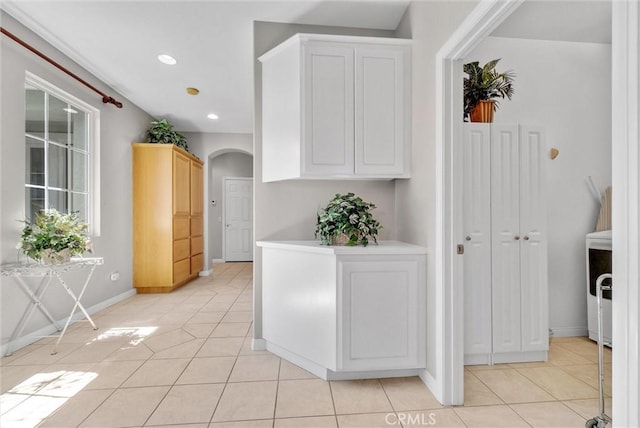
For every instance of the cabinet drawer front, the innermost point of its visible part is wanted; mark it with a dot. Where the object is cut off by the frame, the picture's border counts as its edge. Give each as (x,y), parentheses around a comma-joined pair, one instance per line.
(196,226)
(180,227)
(196,245)
(181,270)
(180,249)
(197,262)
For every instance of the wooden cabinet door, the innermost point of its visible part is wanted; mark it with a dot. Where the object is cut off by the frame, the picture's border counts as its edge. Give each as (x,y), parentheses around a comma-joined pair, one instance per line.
(476,178)
(381,103)
(181,184)
(196,197)
(328,113)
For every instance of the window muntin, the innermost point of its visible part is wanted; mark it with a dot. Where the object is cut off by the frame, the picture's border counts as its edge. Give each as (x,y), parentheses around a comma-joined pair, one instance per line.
(59,163)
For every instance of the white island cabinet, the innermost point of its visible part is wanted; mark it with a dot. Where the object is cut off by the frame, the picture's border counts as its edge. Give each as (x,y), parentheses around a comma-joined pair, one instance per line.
(345,312)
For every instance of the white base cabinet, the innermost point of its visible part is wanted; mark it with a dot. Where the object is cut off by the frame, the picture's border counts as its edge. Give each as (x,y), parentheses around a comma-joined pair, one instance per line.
(336,107)
(505,259)
(345,312)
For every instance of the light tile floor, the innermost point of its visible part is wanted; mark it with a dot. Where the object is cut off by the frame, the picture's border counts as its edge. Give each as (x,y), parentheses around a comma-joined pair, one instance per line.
(184,359)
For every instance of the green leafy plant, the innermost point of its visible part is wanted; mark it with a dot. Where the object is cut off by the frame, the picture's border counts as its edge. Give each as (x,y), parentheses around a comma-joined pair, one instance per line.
(349,215)
(485,83)
(52,231)
(162,132)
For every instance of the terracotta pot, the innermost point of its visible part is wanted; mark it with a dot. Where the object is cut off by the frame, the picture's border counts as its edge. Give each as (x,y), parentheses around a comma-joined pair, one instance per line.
(482,112)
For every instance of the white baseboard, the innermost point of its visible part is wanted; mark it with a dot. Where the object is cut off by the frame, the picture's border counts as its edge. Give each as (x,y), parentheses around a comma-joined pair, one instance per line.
(205,272)
(258,345)
(214,261)
(49,330)
(569,331)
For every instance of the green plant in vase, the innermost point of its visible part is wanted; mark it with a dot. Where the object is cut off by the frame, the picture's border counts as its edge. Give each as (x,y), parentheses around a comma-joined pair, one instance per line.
(54,237)
(347,220)
(162,132)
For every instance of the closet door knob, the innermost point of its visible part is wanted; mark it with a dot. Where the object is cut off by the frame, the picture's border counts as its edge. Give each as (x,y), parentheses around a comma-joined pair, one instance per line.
(467,238)
(517,237)
(526,238)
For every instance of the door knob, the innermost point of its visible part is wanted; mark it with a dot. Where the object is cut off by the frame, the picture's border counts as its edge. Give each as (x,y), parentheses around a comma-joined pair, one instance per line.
(467,238)
(517,237)
(526,238)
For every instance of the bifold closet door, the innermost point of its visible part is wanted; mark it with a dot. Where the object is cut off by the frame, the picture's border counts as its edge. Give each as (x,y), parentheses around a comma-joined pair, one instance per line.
(533,246)
(505,234)
(477,232)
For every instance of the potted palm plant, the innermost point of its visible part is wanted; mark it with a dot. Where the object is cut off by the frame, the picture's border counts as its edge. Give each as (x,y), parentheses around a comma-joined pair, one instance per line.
(347,220)
(482,87)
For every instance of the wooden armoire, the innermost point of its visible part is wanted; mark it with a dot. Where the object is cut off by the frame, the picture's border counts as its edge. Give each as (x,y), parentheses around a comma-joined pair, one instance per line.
(167,217)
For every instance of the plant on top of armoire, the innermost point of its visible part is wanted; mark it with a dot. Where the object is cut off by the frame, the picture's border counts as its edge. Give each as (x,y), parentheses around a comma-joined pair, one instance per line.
(347,220)
(162,132)
(482,87)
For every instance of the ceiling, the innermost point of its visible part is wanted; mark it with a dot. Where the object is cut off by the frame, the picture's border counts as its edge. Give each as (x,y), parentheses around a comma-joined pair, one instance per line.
(212,41)
(119,41)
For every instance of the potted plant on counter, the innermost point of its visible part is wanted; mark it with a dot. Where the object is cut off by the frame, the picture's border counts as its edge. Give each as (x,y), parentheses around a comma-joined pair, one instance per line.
(54,237)
(347,220)
(482,87)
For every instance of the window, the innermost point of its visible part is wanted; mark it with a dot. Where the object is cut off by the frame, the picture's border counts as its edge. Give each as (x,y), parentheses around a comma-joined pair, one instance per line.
(60,141)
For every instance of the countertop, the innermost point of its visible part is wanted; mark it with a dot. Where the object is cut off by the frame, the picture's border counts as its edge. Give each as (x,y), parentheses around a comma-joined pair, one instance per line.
(383,247)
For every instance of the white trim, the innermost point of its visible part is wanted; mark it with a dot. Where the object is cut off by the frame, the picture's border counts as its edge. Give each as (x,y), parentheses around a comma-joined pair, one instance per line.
(447,383)
(206,272)
(625,58)
(214,261)
(49,330)
(93,186)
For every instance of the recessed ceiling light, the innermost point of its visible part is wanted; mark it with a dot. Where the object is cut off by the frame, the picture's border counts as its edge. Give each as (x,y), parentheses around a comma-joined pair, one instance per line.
(212,116)
(167,59)
(193,91)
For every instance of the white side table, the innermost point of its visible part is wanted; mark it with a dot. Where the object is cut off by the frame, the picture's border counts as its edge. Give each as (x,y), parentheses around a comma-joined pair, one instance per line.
(20,271)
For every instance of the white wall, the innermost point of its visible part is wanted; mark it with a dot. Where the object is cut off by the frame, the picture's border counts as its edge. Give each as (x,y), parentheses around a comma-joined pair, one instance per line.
(430,24)
(119,127)
(225,165)
(207,146)
(287,210)
(564,87)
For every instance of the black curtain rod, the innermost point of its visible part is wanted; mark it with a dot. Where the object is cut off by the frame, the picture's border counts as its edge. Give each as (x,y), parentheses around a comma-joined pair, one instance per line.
(105,98)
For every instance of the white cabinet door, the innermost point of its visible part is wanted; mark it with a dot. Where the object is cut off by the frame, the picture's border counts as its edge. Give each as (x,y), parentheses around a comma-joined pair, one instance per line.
(328,118)
(380,110)
(505,229)
(533,246)
(378,315)
(477,232)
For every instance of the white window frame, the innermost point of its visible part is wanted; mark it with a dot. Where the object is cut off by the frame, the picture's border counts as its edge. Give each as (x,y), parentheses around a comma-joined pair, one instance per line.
(93,146)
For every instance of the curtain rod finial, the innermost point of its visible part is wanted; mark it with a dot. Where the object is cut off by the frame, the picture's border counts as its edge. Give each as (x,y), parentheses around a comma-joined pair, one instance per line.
(110,100)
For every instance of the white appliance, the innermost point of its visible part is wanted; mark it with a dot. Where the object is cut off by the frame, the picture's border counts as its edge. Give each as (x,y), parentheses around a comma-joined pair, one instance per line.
(598,262)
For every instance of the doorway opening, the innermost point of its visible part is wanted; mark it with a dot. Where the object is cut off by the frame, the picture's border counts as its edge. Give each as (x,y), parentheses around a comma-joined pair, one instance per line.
(225,164)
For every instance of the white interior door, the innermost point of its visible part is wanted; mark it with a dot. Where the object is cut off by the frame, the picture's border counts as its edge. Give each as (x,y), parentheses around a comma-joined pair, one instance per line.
(477,246)
(238,219)
(505,229)
(533,245)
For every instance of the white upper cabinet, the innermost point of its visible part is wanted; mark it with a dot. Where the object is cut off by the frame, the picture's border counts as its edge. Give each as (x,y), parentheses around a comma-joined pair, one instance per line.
(336,107)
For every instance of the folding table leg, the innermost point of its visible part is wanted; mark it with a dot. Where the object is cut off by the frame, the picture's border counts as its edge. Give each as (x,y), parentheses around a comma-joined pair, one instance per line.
(35,303)
(75,306)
